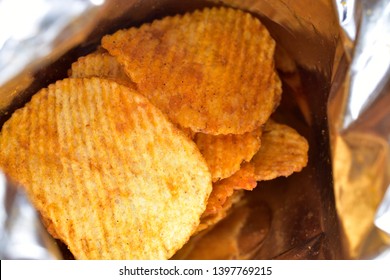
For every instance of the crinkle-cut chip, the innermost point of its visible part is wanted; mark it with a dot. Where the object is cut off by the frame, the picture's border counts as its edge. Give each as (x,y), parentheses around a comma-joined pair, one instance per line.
(207,221)
(210,70)
(243,179)
(283,151)
(225,153)
(100,64)
(111,176)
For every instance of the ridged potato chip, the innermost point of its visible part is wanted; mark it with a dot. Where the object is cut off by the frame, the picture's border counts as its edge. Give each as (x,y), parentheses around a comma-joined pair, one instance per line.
(210,70)
(207,220)
(111,176)
(100,64)
(225,153)
(283,151)
(243,179)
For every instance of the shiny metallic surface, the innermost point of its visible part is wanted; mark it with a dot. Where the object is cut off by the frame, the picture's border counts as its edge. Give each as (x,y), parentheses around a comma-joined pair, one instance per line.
(359,121)
(36,32)
(382,216)
(22,236)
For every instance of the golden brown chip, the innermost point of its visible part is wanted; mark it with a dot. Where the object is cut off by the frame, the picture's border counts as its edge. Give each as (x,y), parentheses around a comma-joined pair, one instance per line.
(187,131)
(225,153)
(208,220)
(243,179)
(210,70)
(100,64)
(283,151)
(111,176)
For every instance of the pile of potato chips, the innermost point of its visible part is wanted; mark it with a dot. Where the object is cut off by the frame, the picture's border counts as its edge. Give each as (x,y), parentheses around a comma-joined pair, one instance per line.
(154,136)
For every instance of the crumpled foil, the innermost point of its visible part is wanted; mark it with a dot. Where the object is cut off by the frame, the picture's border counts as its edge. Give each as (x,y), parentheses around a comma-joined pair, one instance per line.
(22,235)
(34,33)
(359,122)
(333,58)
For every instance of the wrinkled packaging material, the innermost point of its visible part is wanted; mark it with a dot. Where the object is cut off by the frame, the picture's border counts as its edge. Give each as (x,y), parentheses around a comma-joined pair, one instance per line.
(334,60)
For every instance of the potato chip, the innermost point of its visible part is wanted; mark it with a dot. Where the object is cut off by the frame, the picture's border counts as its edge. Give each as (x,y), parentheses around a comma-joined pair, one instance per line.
(208,220)
(210,70)
(111,176)
(100,64)
(222,190)
(187,131)
(283,151)
(225,153)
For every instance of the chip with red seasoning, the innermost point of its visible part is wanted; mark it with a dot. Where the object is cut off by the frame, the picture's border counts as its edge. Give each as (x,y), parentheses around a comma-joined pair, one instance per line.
(110,175)
(100,64)
(224,154)
(211,70)
(283,151)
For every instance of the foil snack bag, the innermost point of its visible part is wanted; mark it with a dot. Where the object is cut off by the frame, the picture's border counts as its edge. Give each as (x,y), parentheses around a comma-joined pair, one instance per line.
(333,58)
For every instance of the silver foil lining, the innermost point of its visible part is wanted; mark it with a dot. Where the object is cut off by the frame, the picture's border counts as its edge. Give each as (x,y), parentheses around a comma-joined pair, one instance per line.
(22,236)
(34,33)
(361,129)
